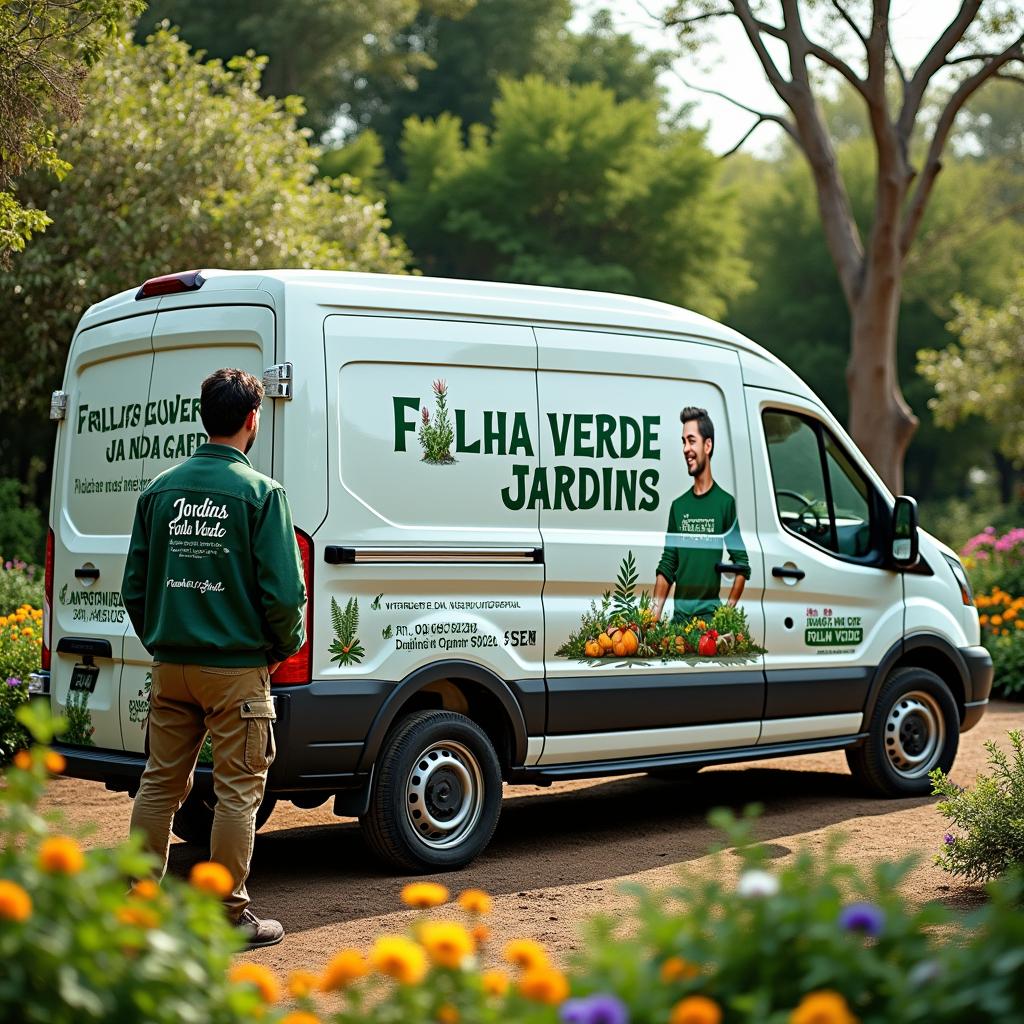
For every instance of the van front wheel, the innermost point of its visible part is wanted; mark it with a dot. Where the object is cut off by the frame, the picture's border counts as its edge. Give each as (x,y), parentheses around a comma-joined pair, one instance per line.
(915,728)
(437,793)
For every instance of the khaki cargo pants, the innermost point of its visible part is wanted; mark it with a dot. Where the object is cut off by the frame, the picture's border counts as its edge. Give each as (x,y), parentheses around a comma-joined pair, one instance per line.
(234,705)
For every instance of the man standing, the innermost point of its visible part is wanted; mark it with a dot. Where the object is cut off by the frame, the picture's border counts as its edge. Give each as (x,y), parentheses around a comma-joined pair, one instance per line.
(214,589)
(700,523)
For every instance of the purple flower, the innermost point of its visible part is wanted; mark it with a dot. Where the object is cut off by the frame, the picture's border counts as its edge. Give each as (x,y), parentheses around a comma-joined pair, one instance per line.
(13,681)
(949,839)
(862,917)
(425,414)
(602,1008)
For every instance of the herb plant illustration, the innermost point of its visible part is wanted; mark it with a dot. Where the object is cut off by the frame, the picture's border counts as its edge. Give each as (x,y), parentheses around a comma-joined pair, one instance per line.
(79,719)
(623,602)
(375,603)
(436,437)
(387,632)
(345,648)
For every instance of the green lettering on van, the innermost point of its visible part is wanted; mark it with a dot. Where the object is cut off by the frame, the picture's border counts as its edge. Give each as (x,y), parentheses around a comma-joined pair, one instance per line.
(402,424)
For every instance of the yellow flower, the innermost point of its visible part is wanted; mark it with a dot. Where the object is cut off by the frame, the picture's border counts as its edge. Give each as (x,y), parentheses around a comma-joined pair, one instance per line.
(260,977)
(55,763)
(481,934)
(526,954)
(399,958)
(61,855)
(675,968)
(997,620)
(448,1014)
(346,966)
(146,889)
(23,760)
(494,982)
(138,916)
(27,631)
(423,895)
(211,877)
(544,985)
(825,1007)
(475,901)
(695,1010)
(15,903)
(300,1017)
(302,984)
(446,942)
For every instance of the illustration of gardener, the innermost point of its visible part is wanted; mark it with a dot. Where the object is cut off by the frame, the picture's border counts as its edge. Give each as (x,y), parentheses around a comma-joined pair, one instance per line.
(701,523)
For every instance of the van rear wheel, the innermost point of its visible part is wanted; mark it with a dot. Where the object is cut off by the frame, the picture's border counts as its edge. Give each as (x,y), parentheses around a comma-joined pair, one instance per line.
(915,728)
(194,820)
(437,793)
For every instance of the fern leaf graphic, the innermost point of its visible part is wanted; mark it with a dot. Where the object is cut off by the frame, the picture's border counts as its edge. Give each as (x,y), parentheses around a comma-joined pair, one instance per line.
(345,648)
(625,586)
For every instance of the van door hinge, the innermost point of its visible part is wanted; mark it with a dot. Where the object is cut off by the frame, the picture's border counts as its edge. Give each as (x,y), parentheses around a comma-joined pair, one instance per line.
(58,405)
(277,381)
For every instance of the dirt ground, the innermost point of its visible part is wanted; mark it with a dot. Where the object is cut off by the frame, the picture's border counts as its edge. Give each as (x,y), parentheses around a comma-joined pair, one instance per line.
(560,854)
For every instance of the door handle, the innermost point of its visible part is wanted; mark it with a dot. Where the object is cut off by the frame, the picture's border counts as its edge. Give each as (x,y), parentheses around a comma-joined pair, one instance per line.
(87,574)
(781,572)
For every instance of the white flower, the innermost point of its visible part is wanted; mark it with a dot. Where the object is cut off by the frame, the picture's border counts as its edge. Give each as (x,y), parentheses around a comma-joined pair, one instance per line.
(757,884)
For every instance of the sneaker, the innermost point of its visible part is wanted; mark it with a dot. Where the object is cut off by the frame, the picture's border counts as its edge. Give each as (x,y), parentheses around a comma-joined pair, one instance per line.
(259,932)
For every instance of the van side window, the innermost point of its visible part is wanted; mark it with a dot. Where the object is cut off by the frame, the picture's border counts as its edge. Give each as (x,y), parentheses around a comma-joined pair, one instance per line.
(819,494)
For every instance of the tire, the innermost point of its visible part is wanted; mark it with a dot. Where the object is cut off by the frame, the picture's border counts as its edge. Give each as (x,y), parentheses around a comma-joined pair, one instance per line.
(194,820)
(914,729)
(437,793)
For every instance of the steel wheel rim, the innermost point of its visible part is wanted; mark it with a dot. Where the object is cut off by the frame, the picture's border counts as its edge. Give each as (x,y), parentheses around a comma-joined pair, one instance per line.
(915,734)
(444,794)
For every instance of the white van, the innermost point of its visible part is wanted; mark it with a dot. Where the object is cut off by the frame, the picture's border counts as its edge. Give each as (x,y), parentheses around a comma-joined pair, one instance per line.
(513,574)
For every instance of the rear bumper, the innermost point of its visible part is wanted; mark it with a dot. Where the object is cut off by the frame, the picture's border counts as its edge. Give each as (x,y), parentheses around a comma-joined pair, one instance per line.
(979,669)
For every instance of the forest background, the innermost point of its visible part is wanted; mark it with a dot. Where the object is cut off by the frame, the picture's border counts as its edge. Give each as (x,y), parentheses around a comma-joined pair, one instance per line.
(531,142)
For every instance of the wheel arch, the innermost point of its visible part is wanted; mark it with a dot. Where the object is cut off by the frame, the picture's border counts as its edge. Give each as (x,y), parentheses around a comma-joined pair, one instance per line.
(928,651)
(460,686)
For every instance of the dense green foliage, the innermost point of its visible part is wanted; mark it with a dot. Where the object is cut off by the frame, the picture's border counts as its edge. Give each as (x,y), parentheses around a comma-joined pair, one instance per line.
(988,816)
(575,189)
(46,49)
(21,526)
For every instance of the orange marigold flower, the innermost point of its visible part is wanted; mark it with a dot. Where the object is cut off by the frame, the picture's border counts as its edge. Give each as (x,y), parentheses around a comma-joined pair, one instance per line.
(23,760)
(525,954)
(15,903)
(211,877)
(399,958)
(544,985)
(346,966)
(696,1010)
(475,901)
(302,984)
(481,934)
(448,1014)
(997,620)
(675,968)
(300,1017)
(494,982)
(424,895)
(138,916)
(61,855)
(824,1007)
(260,977)
(446,942)
(55,763)
(146,889)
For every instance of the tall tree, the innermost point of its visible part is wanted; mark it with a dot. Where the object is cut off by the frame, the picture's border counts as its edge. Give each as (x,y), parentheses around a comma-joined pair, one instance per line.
(908,155)
(46,50)
(571,188)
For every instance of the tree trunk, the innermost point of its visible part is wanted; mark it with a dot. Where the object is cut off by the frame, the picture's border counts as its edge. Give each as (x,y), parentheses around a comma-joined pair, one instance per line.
(881,422)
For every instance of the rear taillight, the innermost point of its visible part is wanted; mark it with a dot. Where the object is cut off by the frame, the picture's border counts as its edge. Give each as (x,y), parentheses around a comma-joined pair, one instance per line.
(299,667)
(47,601)
(188,281)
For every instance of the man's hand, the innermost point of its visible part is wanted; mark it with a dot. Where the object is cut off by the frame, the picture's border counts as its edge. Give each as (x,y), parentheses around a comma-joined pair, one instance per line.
(273,667)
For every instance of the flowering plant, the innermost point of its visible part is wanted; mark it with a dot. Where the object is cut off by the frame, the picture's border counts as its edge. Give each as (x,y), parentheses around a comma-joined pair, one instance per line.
(20,584)
(21,639)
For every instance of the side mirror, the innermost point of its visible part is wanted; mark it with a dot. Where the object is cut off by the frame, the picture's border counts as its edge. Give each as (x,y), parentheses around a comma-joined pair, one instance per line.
(904,548)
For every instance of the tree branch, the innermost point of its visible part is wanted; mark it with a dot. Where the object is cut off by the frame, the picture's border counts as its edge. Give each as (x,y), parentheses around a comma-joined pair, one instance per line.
(933,161)
(846,16)
(762,119)
(670,22)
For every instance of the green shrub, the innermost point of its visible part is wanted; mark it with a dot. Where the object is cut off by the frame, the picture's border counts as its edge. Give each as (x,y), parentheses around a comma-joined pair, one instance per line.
(20,583)
(988,817)
(21,638)
(77,947)
(21,525)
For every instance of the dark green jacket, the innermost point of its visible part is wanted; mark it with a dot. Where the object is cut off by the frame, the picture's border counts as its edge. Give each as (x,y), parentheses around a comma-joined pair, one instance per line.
(213,575)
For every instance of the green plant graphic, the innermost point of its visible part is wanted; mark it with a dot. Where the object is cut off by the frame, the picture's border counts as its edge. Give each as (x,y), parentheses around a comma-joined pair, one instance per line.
(387,633)
(623,602)
(375,603)
(345,648)
(80,727)
(436,438)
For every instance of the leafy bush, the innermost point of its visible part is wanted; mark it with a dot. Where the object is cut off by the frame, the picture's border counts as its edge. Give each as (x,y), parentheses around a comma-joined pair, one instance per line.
(21,638)
(989,817)
(20,584)
(79,944)
(21,525)
(994,560)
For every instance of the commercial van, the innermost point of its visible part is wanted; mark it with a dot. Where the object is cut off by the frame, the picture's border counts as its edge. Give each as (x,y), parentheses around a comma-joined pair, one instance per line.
(546,534)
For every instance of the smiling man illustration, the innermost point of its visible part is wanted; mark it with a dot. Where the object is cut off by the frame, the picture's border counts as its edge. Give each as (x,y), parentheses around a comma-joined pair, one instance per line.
(702,524)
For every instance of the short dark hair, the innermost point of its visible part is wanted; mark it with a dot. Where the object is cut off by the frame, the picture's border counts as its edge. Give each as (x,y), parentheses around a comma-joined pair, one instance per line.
(705,427)
(227,397)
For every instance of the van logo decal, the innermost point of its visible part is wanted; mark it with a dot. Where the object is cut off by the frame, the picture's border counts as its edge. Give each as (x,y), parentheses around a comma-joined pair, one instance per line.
(829,630)
(345,648)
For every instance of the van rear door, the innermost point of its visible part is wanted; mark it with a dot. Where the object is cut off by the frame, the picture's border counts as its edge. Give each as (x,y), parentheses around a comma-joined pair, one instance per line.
(188,344)
(98,475)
